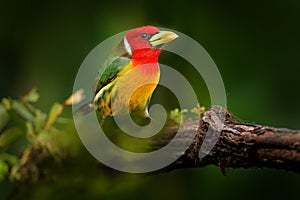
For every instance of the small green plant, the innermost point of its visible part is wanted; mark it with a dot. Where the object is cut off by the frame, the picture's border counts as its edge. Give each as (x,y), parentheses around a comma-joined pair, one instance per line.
(27,135)
(178,116)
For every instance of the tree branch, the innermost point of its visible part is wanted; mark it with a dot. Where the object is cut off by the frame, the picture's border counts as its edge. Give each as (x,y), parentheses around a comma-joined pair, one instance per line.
(238,145)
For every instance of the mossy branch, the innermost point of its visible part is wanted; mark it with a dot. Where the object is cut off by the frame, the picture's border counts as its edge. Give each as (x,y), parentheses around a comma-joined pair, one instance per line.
(239,145)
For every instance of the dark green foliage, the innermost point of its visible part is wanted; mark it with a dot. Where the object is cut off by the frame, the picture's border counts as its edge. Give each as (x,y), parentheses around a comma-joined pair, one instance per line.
(27,136)
(255,45)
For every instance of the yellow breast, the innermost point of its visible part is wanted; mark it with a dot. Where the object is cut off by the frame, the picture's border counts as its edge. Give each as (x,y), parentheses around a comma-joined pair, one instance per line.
(131,90)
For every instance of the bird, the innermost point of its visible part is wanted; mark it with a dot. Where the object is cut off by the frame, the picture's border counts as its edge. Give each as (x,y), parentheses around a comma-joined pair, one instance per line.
(129,76)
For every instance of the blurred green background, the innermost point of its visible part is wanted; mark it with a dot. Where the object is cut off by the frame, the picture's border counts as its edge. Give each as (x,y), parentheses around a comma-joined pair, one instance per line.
(255,44)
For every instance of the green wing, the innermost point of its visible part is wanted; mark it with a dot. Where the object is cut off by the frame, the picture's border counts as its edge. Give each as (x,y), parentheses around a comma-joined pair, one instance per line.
(111,69)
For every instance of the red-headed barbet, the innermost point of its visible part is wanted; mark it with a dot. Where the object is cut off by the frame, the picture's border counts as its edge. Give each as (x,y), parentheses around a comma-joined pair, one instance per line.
(131,64)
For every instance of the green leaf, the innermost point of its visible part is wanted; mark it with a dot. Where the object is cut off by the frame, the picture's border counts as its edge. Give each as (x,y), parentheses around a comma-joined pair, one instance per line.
(4,117)
(29,128)
(32,96)
(8,158)
(6,161)
(4,169)
(10,135)
(7,103)
(22,111)
(39,119)
(54,113)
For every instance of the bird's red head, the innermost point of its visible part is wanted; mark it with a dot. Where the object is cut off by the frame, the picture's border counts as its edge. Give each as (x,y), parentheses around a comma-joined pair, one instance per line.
(144,43)
(139,38)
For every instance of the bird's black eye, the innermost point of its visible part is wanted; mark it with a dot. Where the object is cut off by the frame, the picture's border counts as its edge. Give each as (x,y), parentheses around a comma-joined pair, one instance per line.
(144,36)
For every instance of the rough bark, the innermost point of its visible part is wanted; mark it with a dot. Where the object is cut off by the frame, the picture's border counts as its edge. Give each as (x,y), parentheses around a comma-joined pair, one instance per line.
(237,144)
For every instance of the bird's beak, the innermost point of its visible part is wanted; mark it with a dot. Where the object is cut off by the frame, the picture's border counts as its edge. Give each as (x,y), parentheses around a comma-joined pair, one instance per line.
(161,38)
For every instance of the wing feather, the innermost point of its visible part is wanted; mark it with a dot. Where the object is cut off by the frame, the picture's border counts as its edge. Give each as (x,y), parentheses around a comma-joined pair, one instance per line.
(110,72)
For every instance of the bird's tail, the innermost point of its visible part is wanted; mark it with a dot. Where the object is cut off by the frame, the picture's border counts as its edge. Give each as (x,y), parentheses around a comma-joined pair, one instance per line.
(85,109)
